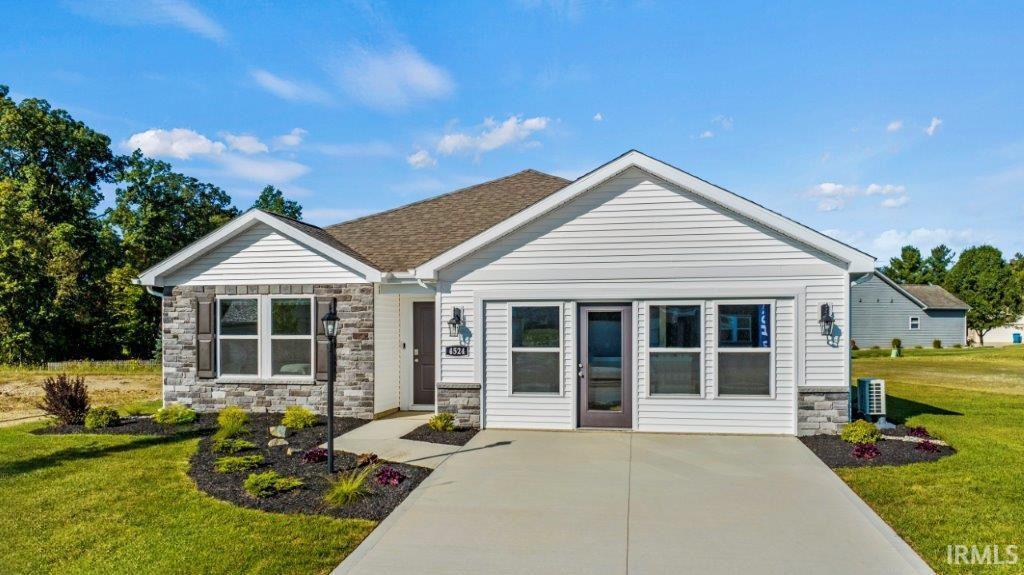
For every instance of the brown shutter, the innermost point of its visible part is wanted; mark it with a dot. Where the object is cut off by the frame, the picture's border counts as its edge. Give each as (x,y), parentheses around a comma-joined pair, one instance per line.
(323,347)
(206,345)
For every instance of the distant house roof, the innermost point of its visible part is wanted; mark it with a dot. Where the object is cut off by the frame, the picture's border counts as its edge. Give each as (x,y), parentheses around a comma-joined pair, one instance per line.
(935,297)
(405,237)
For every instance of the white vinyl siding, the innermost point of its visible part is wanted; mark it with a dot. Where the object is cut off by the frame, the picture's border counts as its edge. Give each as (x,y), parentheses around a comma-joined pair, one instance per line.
(631,236)
(260,255)
(386,352)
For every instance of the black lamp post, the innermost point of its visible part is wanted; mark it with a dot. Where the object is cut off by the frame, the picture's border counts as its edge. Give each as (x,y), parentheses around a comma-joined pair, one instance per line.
(330,321)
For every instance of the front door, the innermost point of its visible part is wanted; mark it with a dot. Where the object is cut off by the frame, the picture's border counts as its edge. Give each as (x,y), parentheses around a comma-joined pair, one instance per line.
(423,352)
(605,368)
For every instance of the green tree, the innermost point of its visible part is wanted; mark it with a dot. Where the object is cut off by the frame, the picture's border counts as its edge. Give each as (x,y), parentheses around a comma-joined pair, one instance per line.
(157,211)
(936,265)
(54,251)
(908,268)
(272,200)
(983,280)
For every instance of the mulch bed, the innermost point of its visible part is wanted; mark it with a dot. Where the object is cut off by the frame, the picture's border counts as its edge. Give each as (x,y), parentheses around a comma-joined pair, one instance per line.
(457,437)
(205,424)
(835,452)
(308,498)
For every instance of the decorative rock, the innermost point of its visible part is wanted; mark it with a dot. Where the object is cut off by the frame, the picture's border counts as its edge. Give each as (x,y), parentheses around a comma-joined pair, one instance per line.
(277,442)
(292,451)
(278,431)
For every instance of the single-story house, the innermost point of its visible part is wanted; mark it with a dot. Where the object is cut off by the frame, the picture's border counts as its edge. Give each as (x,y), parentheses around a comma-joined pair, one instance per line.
(1001,335)
(917,314)
(637,296)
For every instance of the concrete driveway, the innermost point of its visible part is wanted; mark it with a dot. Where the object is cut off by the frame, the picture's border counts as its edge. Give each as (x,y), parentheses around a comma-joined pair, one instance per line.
(610,502)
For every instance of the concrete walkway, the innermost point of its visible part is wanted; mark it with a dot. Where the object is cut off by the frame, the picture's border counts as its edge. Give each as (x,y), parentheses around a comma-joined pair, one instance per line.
(616,503)
(382,436)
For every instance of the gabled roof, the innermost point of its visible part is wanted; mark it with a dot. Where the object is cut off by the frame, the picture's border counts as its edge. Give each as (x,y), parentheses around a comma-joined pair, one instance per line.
(856,260)
(405,237)
(301,232)
(935,297)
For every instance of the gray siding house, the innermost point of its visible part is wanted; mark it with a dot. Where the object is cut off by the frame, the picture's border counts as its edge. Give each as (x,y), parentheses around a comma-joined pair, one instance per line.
(882,310)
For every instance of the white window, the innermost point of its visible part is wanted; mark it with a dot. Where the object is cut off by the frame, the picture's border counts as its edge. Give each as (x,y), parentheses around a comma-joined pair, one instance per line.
(536,348)
(265,336)
(674,347)
(745,350)
(915,323)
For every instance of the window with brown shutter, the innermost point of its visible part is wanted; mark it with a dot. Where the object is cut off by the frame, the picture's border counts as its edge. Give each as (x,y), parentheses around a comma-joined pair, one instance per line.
(205,339)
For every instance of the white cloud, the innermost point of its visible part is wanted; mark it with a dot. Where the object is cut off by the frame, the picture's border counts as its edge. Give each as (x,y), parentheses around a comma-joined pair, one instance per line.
(889,242)
(598,117)
(178,143)
(391,80)
(705,135)
(832,189)
(291,139)
(421,159)
(289,89)
(724,121)
(831,204)
(492,135)
(894,126)
(885,190)
(264,170)
(896,202)
(359,150)
(177,13)
(245,143)
(933,126)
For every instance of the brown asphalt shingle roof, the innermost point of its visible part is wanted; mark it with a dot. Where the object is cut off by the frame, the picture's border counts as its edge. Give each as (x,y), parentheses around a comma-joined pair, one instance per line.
(407,236)
(320,234)
(934,297)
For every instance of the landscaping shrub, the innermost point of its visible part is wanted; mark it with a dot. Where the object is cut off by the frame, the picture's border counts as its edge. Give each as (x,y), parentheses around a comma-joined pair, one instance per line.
(236,463)
(101,417)
(918,347)
(315,455)
(348,487)
(175,414)
(866,451)
(231,445)
(927,447)
(269,483)
(298,417)
(442,422)
(957,345)
(853,345)
(918,432)
(231,422)
(364,459)
(897,343)
(875,347)
(65,398)
(860,432)
(937,344)
(389,476)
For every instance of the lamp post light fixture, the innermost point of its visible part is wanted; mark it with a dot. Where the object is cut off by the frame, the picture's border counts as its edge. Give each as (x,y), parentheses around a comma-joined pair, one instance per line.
(330,321)
(827,320)
(455,322)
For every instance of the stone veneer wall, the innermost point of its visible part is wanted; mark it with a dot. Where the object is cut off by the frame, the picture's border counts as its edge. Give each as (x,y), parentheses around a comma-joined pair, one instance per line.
(462,400)
(822,410)
(353,392)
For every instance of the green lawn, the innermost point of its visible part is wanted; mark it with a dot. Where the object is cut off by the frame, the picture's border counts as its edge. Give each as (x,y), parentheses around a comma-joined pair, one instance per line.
(123,504)
(974,399)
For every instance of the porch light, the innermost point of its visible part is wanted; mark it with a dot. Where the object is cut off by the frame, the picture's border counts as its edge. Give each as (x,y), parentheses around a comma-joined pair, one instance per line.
(455,322)
(330,321)
(827,320)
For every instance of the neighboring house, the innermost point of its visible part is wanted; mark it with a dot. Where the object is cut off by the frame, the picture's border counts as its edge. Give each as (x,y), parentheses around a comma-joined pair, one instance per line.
(916,314)
(637,296)
(1001,335)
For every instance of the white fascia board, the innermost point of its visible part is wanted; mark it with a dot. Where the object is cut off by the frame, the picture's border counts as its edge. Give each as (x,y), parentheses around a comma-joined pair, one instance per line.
(151,276)
(856,260)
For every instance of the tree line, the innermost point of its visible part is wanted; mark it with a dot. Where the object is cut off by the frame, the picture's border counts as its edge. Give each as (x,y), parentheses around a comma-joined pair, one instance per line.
(66,268)
(981,277)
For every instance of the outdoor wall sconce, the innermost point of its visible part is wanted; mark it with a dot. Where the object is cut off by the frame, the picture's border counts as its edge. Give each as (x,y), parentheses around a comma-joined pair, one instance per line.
(455,322)
(827,320)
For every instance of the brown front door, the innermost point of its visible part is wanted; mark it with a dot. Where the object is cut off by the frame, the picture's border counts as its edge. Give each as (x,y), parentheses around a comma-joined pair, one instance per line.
(606,375)
(423,352)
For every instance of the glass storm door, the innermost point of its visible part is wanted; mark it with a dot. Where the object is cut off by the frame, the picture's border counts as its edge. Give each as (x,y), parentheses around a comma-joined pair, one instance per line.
(605,370)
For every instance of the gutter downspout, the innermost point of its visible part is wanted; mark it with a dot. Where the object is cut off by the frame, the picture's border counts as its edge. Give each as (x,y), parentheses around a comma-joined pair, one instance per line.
(153,291)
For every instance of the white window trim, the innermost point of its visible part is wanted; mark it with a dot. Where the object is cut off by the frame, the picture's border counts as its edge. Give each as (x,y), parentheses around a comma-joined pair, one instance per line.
(772,368)
(264,339)
(560,349)
(649,350)
(910,323)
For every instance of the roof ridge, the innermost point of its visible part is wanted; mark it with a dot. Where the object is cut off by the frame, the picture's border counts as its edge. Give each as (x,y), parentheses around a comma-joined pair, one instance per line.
(444,195)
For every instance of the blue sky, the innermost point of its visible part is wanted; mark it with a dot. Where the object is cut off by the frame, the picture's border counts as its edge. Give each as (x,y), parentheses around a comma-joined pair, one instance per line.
(903,122)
